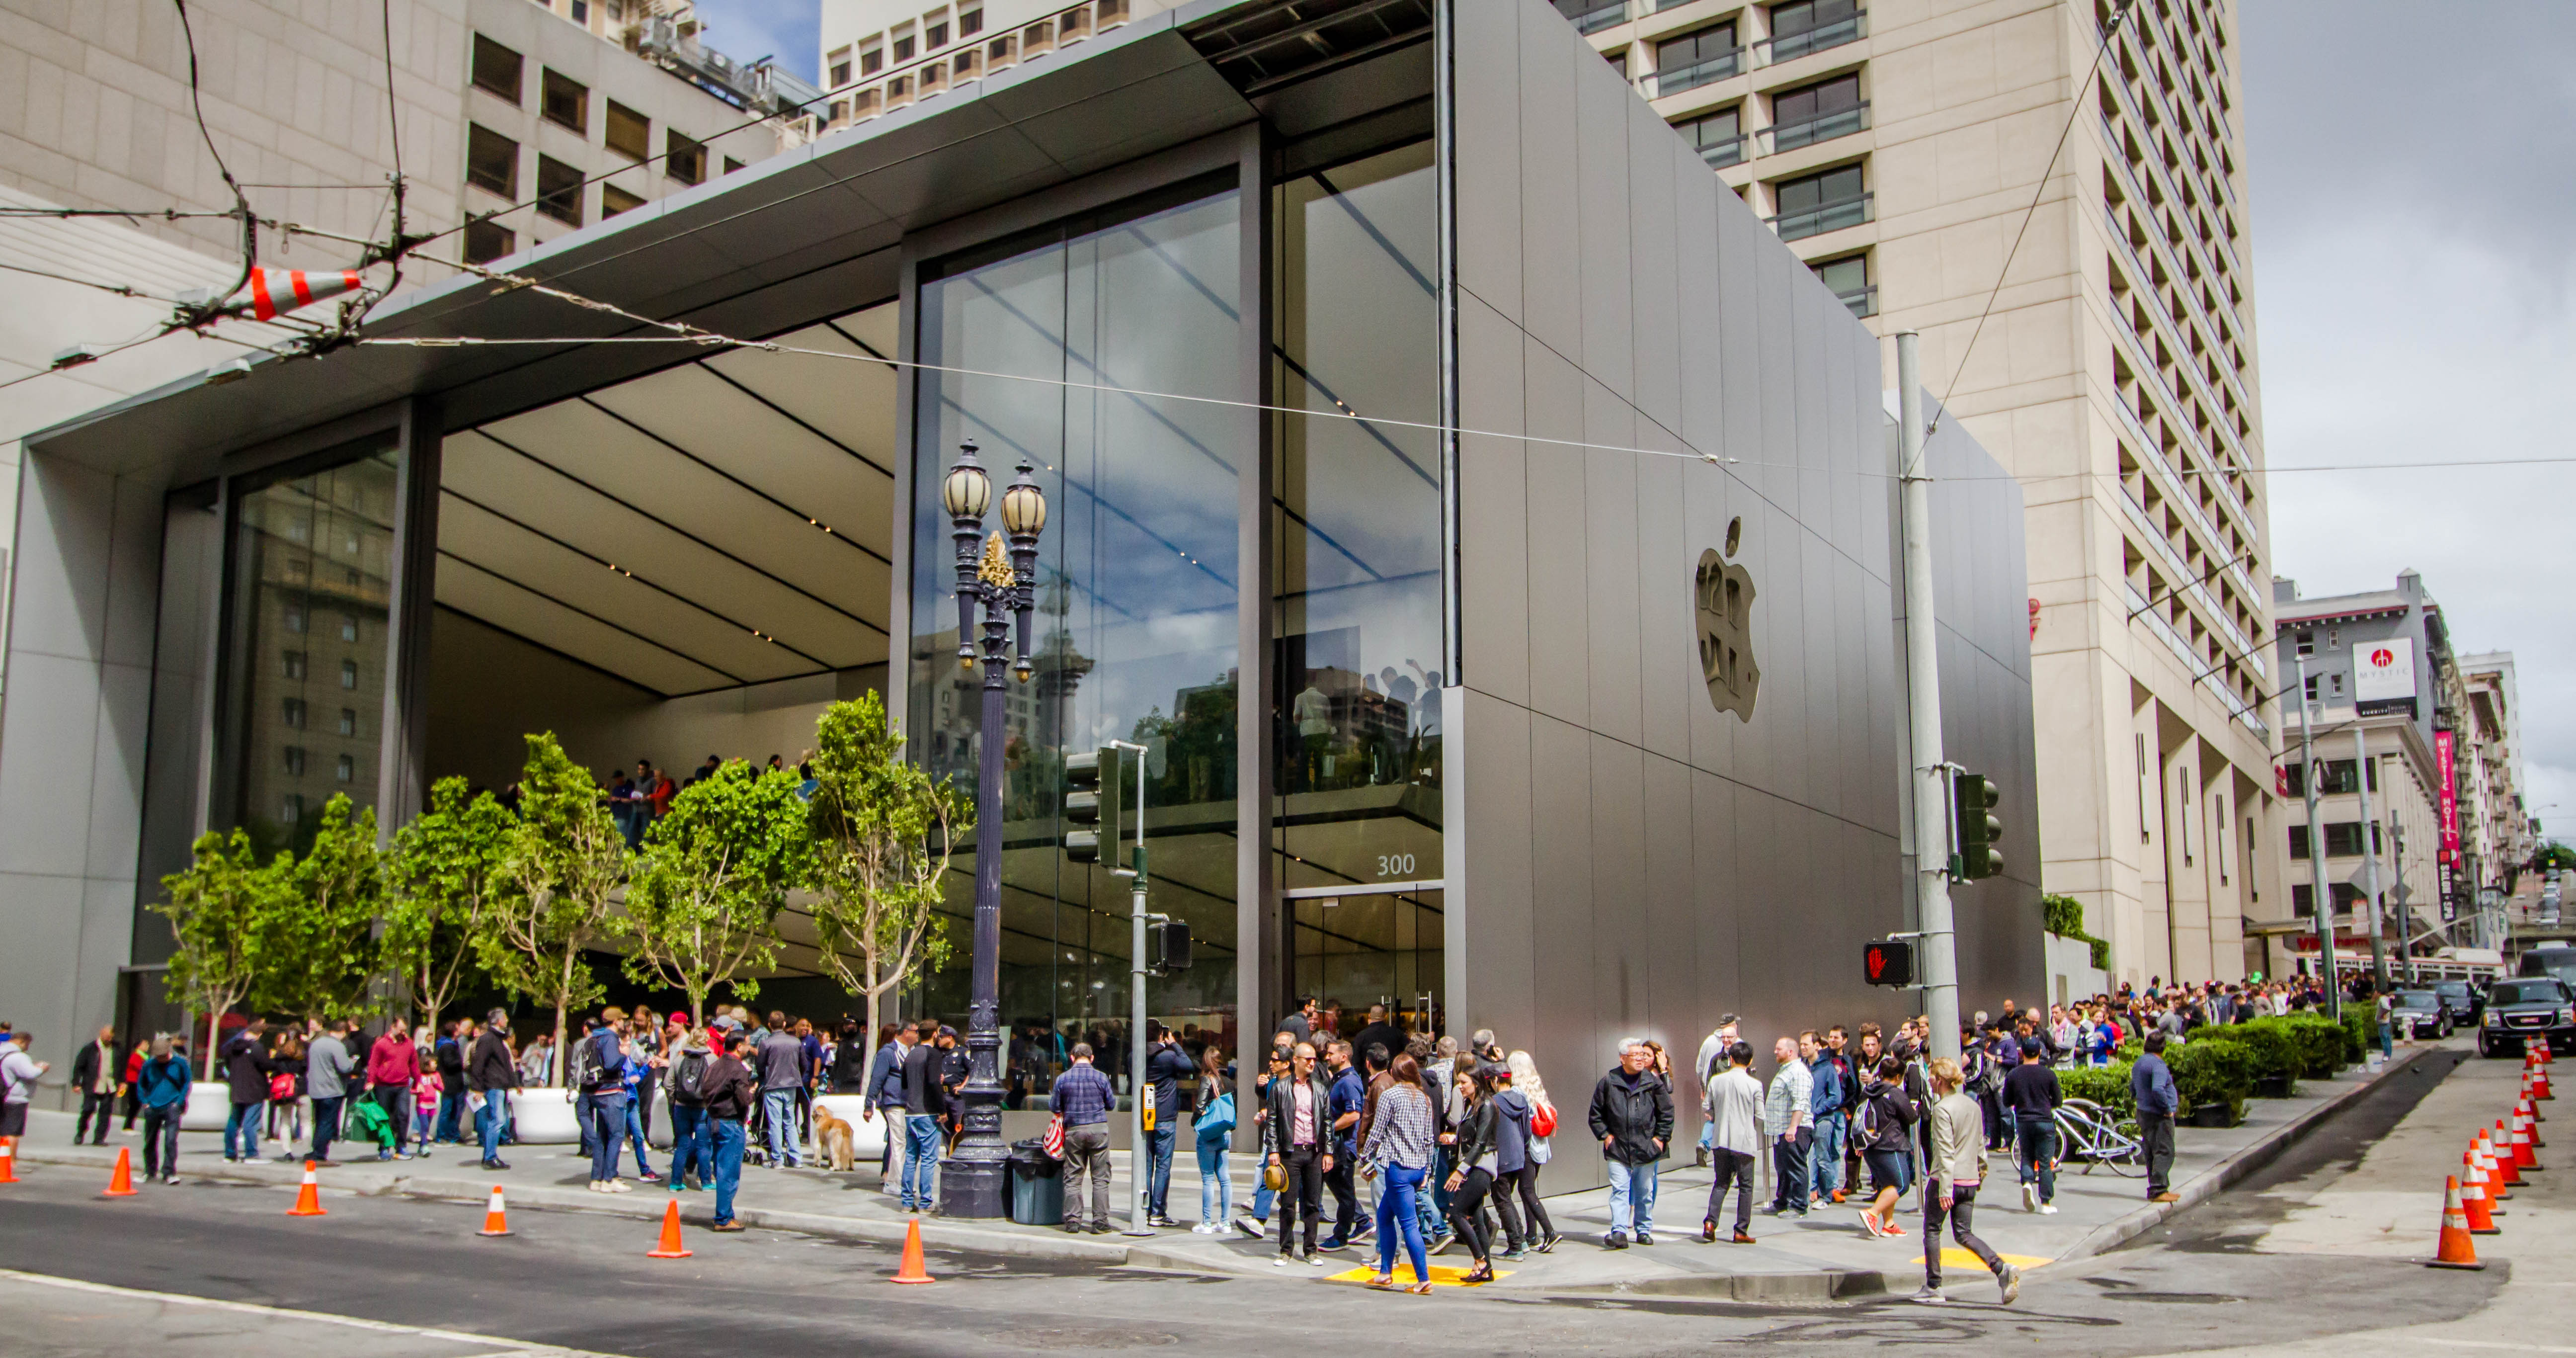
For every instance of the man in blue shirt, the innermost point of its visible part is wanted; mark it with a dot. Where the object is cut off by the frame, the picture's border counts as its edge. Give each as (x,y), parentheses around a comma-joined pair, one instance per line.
(885,1094)
(1825,1101)
(1083,1098)
(1349,1097)
(1165,1067)
(2151,1084)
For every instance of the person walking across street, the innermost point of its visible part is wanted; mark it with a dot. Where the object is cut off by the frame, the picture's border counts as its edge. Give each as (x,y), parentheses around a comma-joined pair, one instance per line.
(1831,1093)
(1398,1150)
(2151,1085)
(1950,1183)
(95,1072)
(2032,1095)
(1537,1116)
(490,1072)
(1881,1129)
(1082,1096)
(1298,1142)
(1212,1125)
(925,1100)
(1788,1123)
(163,1089)
(1632,1117)
(1734,1109)
(327,1064)
(603,1067)
(246,1071)
(730,1090)
(1473,1178)
(1349,1093)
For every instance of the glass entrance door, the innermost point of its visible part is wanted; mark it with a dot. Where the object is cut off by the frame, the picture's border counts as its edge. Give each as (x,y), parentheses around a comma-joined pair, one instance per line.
(1383,947)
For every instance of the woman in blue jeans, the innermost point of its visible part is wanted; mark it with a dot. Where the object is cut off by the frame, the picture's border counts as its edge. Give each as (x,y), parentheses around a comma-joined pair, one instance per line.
(1399,1146)
(1214,1124)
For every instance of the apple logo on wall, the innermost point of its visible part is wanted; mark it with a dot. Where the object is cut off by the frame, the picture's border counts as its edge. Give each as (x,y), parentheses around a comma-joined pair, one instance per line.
(1724,592)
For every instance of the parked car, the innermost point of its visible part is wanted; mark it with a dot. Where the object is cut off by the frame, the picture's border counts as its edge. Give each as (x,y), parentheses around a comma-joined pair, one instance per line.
(2549,959)
(2420,1013)
(2526,1007)
(2466,1005)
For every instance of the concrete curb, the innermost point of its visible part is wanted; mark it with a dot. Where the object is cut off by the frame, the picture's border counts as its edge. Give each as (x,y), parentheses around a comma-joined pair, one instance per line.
(2112,1234)
(1796,1287)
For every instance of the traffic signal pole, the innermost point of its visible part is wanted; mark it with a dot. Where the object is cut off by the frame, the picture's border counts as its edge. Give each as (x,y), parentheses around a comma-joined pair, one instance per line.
(1923,692)
(1140,1161)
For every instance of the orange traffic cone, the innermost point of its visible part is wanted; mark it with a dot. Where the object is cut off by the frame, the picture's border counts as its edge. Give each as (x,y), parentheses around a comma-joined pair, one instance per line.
(2524,1098)
(120,1184)
(2456,1249)
(912,1270)
(2500,1146)
(8,1159)
(2529,1118)
(2540,1083)
(2473,1200)
(308,1199)
(496,1218)
(670,1248)
(2479,1174)
(2521,1142)
(2497,1189)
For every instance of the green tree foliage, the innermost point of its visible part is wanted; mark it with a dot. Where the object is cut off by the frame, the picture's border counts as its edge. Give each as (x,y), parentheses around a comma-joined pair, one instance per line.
(881,830)
(446,869)
(564,857)
(219,909)
(320,956)
(702,907)
(2065,918)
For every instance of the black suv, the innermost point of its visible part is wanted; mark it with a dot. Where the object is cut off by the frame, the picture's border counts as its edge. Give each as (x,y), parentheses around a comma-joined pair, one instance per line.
(2462,1000)
(2526,1007)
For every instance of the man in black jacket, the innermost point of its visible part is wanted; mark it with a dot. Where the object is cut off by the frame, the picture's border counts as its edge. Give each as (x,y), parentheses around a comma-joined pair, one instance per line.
(246,1071)
(1297,1136)
(925,1099)
(98,1075)
(492,1072)
(1632,1117)
(730,1090)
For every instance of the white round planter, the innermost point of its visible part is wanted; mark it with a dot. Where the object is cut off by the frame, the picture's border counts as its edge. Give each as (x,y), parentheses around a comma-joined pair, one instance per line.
(210,1102)
(545,1117)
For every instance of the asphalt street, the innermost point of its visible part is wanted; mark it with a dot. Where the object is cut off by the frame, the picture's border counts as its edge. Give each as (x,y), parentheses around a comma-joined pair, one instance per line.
(581,1282)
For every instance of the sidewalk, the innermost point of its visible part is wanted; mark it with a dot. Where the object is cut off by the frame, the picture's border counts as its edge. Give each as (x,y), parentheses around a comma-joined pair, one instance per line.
(1820,1258)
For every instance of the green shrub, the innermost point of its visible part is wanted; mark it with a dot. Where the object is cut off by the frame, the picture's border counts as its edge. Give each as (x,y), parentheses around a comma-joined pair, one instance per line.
(2064,917)
(2105,1085)
(2212,1071)
(2320,1043)
(2272,1053)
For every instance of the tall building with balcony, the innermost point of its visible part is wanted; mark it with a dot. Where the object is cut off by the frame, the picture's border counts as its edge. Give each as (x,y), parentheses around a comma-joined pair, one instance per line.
(882,55)
(1900,148)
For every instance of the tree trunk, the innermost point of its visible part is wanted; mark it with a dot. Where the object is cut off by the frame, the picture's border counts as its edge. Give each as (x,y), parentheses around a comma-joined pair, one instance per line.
(876,998)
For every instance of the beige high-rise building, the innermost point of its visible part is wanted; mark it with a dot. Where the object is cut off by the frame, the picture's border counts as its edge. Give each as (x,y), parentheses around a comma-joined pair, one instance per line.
(1900,148)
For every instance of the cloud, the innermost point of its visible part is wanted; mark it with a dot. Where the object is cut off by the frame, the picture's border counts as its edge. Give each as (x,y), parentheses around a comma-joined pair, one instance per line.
(2414,304)
(747,30)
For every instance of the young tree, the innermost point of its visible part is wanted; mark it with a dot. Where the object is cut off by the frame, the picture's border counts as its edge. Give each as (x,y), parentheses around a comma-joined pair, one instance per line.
(564,856)
(320,955)
(703,903)
(443,874)
(219,908)
(881,832)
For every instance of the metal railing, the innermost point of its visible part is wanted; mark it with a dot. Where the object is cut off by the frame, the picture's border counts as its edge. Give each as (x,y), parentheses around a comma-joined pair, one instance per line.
(1780,47)
(1841,122)
(1862,300)
(1598,17)
(1724,152)
(1660,83)
(1823,217)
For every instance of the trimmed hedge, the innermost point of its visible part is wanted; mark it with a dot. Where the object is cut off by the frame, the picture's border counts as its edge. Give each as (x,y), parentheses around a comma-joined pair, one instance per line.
(2273,1049)
(2105,1085)
(2209,1071)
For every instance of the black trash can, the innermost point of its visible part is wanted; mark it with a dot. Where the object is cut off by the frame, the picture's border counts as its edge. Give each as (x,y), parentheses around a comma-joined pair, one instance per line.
(1037,1184)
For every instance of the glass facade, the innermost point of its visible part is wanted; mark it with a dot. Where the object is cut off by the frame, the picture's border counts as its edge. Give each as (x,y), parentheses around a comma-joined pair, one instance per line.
(1135,636)
(1356,617)
(311,561)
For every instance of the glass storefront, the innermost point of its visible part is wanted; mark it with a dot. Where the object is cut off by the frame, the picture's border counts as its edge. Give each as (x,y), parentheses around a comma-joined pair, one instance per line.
(1356,614)
(1135,636)
(311,561)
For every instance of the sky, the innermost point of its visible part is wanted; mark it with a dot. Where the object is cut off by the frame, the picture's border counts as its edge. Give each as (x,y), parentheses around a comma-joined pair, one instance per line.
(2410,170)
(747,30)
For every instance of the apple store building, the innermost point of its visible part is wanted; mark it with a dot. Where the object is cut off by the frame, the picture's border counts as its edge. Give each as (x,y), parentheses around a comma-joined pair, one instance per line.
(1482,522)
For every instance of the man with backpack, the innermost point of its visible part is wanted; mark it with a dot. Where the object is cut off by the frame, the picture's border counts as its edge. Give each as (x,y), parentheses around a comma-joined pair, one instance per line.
(490,1072)
(685,1082)
(601,1065)
(18,1075)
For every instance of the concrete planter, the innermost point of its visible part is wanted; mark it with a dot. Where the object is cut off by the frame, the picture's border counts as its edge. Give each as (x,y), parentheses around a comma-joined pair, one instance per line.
(210,1102)
(544,1117)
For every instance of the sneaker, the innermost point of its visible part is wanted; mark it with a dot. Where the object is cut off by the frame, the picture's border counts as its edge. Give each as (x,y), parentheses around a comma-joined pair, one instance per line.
(488,1164)
(1366,1229)
(1549,1245)
(726,1226)
(1614,1241)
(2048,1209)
(1163,1221)
(1281,1262)
(1074,1228)
(1838,1196)
(253,1160)
(407,1155)
(1514,1254)
(1930,1296)
(2166,1196)
(1315,1260)
(2030,1197)
(1744,1237)
(1101,1228)
(595,1186)
(2008,1283)
(1645,1238)
(1441,1245)
(648,1176)
(1250,1228)
(620,1186)
(1333,1242)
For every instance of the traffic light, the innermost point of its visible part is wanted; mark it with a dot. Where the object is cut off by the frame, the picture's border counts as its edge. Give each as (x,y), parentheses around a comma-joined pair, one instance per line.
(1888,962)
(1091,803)
(1171,940)
(1973,802)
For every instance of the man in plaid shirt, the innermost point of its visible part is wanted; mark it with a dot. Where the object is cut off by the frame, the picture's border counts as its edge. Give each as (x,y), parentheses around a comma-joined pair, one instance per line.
(1083,1099)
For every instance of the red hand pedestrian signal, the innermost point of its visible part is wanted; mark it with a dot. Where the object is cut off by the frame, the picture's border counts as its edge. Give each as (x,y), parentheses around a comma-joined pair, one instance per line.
(1877,964)
(1888,962)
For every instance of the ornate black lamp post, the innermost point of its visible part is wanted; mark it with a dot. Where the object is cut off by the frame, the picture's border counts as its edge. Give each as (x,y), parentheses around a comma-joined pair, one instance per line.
(972,1181)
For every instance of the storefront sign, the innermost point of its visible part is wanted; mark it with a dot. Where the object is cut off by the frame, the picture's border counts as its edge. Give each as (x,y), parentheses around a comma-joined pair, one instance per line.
(1723,591)
(2450,795)
(2383,677)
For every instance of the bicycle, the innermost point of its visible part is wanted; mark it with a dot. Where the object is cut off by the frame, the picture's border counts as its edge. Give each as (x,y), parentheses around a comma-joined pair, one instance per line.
(2089,1132)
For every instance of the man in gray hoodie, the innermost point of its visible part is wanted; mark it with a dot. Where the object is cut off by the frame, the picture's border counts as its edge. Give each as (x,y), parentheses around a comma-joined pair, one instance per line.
(327,1064)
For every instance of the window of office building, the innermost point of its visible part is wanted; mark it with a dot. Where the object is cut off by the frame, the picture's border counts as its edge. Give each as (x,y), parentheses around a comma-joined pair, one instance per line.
(1812,26)
(1718,137)
(871,56)
(315,536)
(2303,897)
(629,133)
(565,101)
(2343,840)
(1827,200)
(934,31)
(1848,278)
(970,20)
(1356,708)
(903,44)
(1136,633)
(1696,59)
(491,161)
(498,71)
(839,63)
(1818,112)
(558,190)
(684,158)
(614,200)
(487,240)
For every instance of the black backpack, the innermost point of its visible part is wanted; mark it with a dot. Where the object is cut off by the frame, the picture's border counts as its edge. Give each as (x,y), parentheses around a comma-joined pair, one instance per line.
(687,1076)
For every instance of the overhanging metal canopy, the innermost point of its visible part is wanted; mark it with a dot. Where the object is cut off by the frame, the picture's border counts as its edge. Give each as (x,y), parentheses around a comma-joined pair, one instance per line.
(782,244)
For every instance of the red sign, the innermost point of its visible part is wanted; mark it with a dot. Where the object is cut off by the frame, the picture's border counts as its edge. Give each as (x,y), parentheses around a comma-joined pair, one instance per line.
(2383,657)
(2450,795)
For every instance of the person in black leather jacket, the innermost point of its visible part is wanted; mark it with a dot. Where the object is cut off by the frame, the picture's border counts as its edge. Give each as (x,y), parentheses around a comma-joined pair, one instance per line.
(1474,1176)
(1301,1146)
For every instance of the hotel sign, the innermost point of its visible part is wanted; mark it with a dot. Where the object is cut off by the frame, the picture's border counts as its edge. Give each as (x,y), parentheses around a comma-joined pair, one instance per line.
(2383,677)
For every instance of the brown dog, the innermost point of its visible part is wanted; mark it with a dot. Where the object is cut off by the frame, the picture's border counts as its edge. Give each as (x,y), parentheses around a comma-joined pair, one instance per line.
(832,1138)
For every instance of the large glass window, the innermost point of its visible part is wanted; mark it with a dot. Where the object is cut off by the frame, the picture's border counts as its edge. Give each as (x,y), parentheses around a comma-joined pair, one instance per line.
(1355,502)
(309,546)
(1138,602)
